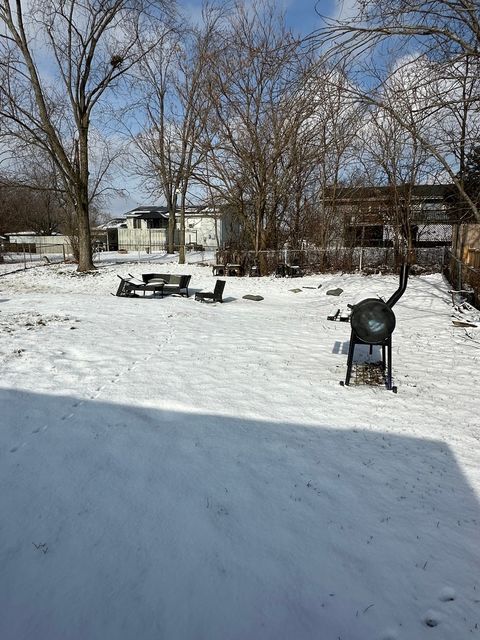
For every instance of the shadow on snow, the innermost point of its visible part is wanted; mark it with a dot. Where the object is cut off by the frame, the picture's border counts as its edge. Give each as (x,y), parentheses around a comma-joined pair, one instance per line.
(123,521)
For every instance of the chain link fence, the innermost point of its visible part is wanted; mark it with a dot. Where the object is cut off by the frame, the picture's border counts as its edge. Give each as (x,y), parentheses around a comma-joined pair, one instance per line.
(18,255)
(364,259)
(26,254)
(461,276)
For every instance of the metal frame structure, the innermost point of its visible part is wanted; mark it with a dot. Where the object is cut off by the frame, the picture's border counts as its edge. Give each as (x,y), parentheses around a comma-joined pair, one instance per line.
(385,329)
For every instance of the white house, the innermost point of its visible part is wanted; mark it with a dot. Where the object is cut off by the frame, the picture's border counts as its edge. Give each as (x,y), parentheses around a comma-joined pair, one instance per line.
(146,228)
(206,227)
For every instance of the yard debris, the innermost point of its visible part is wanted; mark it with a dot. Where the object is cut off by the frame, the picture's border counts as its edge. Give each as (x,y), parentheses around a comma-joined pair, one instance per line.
(462,323)
(250,296)
(340,315)
(334,292)
(465,315)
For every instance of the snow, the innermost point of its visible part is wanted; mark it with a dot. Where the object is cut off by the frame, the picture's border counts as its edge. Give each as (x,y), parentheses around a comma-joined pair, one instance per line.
(172,469)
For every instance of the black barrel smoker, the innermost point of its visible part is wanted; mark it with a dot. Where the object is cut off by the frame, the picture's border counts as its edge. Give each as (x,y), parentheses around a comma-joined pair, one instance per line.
(373,323)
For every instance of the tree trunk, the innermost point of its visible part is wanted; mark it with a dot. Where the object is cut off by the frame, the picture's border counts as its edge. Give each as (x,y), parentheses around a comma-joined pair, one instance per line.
(181,253)
(171,225)
(85,259)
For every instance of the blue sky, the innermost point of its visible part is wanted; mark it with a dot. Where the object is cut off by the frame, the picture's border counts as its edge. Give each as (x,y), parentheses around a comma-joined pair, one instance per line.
(300,14)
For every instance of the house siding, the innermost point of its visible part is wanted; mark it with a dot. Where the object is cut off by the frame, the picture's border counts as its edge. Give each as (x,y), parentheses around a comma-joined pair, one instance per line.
(203,230)
(142,239)
(43,244)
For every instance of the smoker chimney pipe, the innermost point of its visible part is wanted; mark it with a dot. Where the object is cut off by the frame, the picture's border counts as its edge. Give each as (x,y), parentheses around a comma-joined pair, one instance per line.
(395,297)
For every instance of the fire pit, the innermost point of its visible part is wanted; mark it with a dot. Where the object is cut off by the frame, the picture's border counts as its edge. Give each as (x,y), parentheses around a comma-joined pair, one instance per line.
(373,322)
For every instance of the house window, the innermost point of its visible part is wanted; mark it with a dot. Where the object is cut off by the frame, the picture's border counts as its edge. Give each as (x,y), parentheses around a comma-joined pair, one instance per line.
(137,223)
(158,223)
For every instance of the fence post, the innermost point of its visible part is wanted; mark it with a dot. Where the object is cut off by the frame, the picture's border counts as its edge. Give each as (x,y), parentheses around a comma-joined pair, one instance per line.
(24,257)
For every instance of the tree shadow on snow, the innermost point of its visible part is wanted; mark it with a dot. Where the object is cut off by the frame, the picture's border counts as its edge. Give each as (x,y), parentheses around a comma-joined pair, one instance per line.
(124,521)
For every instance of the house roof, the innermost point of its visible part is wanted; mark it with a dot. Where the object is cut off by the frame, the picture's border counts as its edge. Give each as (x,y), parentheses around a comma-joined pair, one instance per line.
(369,205)
(160,212)
(201,212)
(113,223)
(152,213)
(148,213)
(22,233)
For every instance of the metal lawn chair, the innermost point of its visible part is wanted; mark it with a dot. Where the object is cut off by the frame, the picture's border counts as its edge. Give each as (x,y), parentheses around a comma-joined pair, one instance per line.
(212,296)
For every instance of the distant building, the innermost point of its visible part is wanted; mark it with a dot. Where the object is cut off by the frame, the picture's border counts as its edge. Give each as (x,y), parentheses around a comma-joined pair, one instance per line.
(211,228)
(105,236)
(145,228)
(35,243)
(372,215)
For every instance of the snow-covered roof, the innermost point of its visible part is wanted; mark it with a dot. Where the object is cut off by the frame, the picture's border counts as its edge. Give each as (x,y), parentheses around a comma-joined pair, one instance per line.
(22,233)
(148,212)
(114,223)
(151,212)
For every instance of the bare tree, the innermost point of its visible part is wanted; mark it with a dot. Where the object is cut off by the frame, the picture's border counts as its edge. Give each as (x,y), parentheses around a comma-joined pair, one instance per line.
(393,157)
(438,42)
(445,30)
(171,114)
(257,116)
(50,105)
(336,122)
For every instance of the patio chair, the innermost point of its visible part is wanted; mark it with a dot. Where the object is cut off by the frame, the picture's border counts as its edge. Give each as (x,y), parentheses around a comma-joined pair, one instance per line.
(212,296)
(172,283)
(128,286)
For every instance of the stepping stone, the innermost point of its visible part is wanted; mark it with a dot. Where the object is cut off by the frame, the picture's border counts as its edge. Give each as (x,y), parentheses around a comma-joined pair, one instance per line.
(295,290)
(250,296)
(334,292)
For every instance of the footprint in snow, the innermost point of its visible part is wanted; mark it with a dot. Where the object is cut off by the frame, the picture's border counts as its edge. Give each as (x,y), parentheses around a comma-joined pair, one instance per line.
(13,449)
(390,634)
(431,618)
(447,594)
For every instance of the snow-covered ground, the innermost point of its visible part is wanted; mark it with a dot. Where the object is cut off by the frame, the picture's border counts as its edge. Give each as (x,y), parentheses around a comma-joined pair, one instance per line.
(178,470)
(13,262)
